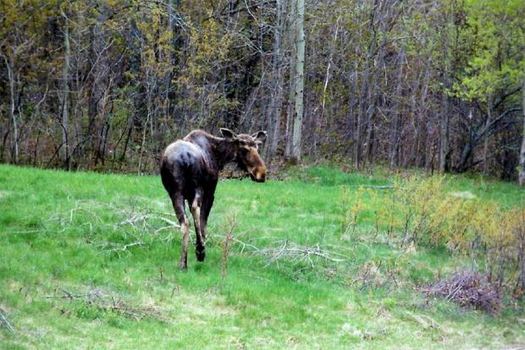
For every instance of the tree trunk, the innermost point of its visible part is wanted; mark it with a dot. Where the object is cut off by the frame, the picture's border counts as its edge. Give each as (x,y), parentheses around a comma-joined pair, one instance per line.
(444,136)
(65,152)
(277,89)
(486,143)
(291,92)
(299,82)
(522,151)
(12,107)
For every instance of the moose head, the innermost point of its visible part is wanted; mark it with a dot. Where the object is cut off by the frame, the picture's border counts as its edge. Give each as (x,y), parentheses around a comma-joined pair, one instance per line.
(246,150)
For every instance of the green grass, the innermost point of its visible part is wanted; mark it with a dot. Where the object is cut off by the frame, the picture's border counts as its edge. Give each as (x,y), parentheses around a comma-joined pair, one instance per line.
(90,261)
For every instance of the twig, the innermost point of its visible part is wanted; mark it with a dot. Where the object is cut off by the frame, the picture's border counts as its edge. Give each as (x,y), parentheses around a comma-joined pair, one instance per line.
(304,253)
(244,245)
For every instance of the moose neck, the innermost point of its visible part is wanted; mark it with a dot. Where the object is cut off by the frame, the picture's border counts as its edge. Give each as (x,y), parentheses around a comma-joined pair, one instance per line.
(219,150)
(223,151)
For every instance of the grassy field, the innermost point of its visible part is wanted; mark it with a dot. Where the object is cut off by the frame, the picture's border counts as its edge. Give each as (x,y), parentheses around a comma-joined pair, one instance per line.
(90,261)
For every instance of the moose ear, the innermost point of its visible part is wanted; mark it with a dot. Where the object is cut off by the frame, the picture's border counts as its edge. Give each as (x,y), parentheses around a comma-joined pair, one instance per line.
(228,134)
(259,136)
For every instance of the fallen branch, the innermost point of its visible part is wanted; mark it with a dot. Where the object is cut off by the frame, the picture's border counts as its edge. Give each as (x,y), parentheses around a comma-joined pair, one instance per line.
(244,245)
(289,250)
(297,252)
(5,322)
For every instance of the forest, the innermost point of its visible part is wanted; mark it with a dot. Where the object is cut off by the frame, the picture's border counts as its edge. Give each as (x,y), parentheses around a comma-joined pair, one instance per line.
(387,212)
(106,85)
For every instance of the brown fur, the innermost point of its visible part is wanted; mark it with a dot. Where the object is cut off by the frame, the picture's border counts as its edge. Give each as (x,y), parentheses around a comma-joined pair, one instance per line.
(190,171)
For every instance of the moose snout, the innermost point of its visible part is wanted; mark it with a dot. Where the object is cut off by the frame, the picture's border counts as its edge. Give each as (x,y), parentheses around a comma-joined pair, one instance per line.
(259,174)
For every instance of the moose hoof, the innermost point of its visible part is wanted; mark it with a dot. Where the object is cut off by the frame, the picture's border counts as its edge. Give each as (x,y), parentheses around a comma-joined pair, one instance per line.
(200,255)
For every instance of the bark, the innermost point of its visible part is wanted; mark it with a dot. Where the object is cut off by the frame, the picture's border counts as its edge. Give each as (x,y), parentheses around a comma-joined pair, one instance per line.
(12,107)
(291,79)
(277,91)
(299,83)
(65,150)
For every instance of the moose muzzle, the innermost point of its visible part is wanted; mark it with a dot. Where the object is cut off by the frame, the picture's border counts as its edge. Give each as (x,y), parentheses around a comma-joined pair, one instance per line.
(258,174)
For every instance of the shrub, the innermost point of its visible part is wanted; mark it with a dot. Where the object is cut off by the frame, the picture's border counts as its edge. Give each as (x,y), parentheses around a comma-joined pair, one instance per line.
(422,211)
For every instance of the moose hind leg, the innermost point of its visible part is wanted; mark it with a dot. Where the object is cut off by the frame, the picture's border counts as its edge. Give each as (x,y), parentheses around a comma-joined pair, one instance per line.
(178,206)
(196,213)
(207,203)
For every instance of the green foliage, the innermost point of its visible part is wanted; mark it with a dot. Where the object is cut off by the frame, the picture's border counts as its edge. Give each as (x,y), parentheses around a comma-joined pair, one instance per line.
(496,34)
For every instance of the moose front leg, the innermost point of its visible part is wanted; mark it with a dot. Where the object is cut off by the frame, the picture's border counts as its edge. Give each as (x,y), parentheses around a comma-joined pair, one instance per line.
(197,215)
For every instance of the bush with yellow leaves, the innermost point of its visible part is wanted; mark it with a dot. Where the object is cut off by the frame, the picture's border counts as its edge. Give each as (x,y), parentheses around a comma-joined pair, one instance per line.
(422,211)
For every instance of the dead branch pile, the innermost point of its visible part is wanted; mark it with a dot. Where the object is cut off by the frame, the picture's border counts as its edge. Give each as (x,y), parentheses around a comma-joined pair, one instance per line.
(468,289)
(104,301)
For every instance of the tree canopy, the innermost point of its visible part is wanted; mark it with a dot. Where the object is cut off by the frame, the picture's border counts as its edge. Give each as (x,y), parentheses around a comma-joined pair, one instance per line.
(107,84)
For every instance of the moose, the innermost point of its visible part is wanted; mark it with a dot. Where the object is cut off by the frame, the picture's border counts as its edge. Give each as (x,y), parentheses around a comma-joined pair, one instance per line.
(189,170)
